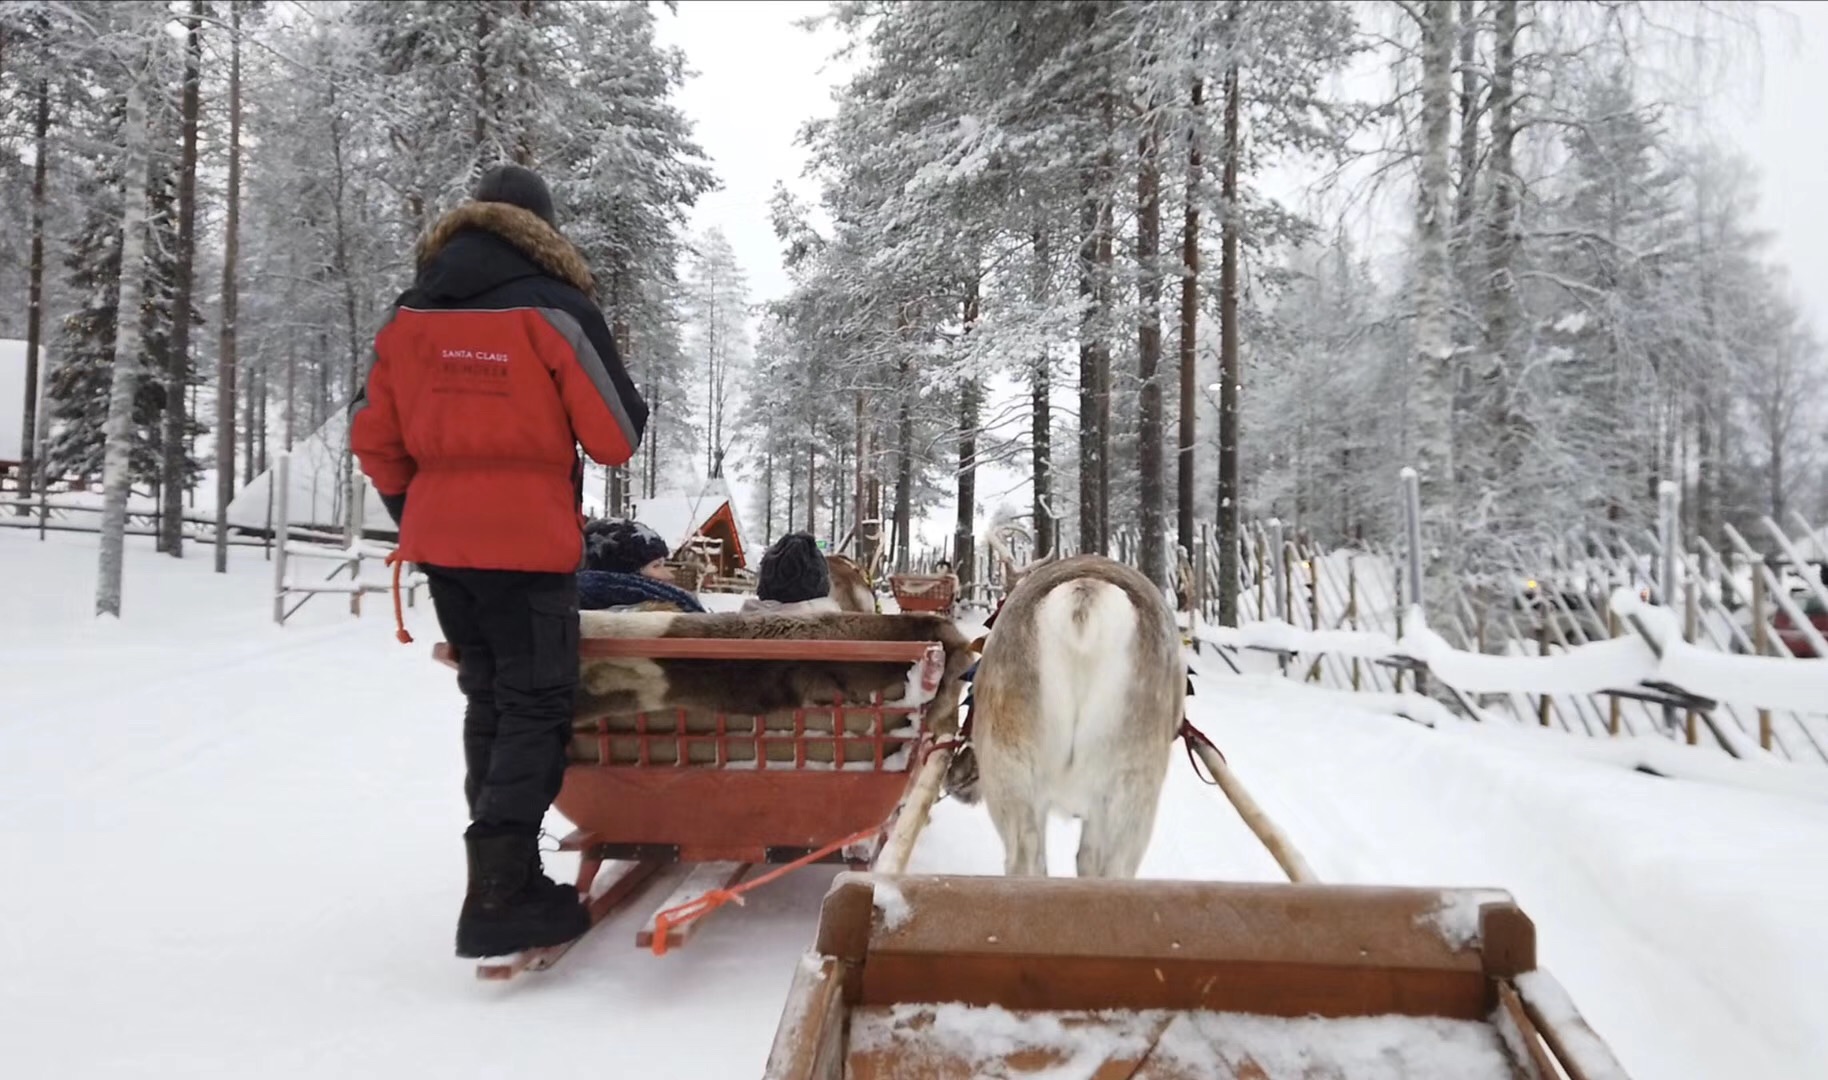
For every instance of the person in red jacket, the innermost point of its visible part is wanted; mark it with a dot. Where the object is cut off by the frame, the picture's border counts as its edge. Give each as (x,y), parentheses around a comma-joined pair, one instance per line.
(495,365)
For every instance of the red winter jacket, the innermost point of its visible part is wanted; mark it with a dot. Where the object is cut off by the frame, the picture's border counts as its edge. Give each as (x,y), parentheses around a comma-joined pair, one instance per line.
(494,366)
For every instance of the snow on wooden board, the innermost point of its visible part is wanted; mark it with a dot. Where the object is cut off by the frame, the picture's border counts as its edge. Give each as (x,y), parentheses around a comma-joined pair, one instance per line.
(253,840)
(940,1042)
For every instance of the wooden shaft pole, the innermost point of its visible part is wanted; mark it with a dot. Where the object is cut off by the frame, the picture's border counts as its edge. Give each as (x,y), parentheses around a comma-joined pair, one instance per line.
(1284,852)
(913,814)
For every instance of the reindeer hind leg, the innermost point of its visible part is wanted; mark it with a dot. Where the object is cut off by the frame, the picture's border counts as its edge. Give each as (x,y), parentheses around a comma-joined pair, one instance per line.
(1022,824)
(1116,832)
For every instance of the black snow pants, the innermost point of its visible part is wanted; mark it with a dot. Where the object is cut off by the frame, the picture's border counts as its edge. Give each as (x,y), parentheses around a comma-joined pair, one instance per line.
(516,636)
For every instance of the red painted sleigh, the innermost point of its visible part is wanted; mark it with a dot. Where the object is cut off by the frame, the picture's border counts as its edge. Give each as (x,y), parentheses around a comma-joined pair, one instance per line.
(728,792)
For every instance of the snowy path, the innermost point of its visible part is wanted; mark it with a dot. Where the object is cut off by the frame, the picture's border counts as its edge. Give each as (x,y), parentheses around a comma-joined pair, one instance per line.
(241,856)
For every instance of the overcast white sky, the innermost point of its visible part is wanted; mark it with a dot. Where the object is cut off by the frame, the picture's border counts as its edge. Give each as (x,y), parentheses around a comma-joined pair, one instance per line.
(758,78)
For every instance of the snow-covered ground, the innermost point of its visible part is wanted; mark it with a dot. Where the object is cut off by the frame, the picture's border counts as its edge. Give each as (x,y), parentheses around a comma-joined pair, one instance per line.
(232,850)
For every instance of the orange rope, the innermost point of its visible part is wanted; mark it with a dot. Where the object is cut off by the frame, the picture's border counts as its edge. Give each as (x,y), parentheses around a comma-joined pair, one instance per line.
(698,907)
(400,634)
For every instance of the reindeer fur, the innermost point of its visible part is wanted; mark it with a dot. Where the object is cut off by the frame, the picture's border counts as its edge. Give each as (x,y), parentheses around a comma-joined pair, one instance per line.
(610,686)
(849,587)
(1079,696)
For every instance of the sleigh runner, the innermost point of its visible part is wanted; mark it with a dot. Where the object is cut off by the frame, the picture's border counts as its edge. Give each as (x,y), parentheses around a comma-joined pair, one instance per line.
(741,747)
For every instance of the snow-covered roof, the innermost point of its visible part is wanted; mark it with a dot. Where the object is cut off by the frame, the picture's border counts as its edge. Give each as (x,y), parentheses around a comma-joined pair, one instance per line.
(678,517)
(314,493)
(12,399)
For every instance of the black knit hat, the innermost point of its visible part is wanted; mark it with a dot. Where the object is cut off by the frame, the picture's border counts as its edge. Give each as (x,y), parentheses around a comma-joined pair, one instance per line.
(516,186)
(793,570)
(621,546)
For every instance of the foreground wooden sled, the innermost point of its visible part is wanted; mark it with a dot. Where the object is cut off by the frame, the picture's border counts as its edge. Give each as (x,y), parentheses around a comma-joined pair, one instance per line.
(935,978)
(728,789)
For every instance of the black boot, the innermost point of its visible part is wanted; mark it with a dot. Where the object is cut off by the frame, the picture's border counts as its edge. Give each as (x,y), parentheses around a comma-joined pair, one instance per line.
(511,904)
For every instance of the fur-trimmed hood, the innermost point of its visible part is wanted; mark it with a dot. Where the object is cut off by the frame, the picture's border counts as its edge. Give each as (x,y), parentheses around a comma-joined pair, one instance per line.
(523,229)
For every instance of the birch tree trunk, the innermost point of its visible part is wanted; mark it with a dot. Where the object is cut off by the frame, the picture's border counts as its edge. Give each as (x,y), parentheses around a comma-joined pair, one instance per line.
(1190,322)
(1230,369)
(1107,296)
(177,368)
(964,532)
(904,482)
(34,312)
(1501,245)
(1149,354)
(1462,251)
(1432,376)
(116,462)
(812,486)
(1041,433)
(1088,371)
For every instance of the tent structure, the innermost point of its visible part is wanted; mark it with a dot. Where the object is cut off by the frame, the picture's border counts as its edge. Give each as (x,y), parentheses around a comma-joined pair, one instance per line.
(315,499)
(314,489)
(710,513)
(12,401)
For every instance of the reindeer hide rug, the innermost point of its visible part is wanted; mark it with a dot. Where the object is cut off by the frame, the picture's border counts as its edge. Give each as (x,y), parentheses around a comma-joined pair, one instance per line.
(621,686)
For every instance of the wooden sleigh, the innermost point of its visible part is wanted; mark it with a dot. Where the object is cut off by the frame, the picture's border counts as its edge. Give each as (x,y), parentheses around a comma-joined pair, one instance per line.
(924,592)
(936,978)
(729,792)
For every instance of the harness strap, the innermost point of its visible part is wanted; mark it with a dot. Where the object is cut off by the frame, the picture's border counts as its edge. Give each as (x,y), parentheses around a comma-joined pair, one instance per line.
(1195,737)
(400,634)
(698,907)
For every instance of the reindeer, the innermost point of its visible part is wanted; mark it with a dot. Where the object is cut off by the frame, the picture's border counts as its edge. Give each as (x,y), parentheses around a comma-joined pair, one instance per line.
(848,585)
(1078,698)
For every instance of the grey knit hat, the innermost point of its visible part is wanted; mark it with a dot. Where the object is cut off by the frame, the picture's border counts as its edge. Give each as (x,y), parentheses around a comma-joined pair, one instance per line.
(516,186)
(793,570)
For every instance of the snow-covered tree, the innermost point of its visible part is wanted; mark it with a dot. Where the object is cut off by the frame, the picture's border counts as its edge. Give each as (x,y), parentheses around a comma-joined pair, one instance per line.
(715,300)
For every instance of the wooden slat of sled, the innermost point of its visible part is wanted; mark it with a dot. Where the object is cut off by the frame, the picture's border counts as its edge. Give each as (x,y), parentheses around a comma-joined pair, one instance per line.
(1280,950)
(887,652)
(815,1050)
(910,1054)
(704,878)
(1133,1049)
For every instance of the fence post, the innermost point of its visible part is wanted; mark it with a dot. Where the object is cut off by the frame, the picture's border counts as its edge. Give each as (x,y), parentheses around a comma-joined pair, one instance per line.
(1396,681)
(1690,621)
(1274,554)
(1262,572)
(1542,649)
(1760,643)
(1197,567)
(1352,607)
(1287,563)
(358,503)
(282,525)
(1412,515)
(1666,588)
(1613,717)
(1666,536)
(1312,562)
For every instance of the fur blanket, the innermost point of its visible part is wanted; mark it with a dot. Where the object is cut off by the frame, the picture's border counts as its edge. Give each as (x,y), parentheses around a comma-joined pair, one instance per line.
(613,689)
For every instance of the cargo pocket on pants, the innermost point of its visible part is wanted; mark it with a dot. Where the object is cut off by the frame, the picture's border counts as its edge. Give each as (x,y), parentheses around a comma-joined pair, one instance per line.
(555,638)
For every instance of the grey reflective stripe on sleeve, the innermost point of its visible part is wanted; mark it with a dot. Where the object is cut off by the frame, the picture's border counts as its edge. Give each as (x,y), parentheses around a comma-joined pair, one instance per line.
(572,331)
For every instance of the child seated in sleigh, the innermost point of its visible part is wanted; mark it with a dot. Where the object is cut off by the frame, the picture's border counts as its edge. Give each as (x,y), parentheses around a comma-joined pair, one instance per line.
(625,570)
